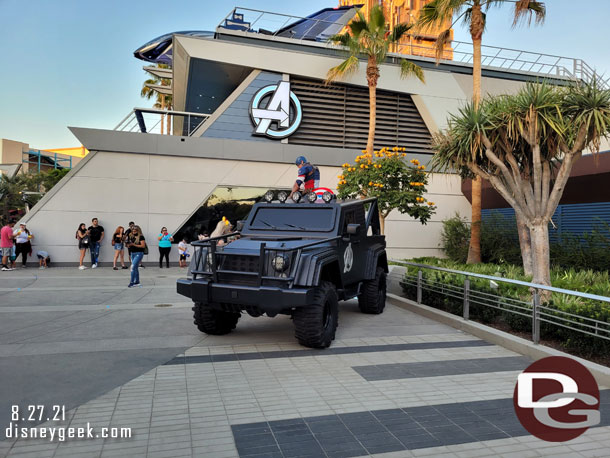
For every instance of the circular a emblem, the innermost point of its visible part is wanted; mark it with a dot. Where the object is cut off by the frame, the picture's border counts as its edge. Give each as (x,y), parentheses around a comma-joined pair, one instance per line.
(275,111)
(556,399)
(348,259)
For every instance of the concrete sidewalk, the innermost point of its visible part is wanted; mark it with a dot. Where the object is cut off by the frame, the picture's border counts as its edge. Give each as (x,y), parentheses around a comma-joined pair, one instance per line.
(395,384)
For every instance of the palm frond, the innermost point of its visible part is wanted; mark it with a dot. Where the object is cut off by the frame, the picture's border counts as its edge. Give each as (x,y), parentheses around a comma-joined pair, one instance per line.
(438,11)
(357,26)
(526,9)
(408,68)
(342,39)
(345,68)
(399,31)
(377,22)
(441,41)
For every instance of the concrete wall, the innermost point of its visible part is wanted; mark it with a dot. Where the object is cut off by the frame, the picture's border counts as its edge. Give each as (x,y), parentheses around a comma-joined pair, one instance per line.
(157,190)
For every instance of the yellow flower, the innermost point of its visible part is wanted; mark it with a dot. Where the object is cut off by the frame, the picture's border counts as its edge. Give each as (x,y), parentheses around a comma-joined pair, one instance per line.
(370,183)
(361,166)
(364,151)
(357,159)
(366,166)
(431,203)
(404,154)
(381,186)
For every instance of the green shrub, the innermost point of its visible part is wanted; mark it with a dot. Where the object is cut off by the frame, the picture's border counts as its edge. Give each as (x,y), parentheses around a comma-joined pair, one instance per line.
(444,291)
(500,240)
(455,237)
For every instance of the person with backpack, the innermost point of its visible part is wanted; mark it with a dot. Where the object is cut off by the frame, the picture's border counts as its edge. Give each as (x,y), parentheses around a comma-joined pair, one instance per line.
(308,176)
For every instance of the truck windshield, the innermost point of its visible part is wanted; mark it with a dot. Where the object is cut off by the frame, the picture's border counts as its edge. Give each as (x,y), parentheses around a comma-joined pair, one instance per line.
(309,218)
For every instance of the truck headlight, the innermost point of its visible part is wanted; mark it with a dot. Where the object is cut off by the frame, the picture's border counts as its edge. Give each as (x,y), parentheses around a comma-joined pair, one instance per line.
(280,263)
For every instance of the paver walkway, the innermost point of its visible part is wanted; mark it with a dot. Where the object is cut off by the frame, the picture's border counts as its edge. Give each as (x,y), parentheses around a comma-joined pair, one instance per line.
(393,385)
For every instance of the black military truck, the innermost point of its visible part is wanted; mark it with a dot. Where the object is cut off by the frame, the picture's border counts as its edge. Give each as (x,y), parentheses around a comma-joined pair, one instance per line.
(297,259)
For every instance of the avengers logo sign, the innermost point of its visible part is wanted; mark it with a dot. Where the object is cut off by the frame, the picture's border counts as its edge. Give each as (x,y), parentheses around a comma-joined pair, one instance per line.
(275,111)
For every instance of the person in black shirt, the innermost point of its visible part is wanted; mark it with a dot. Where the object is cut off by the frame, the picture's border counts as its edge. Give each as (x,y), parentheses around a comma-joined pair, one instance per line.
(96,235)
(137,243)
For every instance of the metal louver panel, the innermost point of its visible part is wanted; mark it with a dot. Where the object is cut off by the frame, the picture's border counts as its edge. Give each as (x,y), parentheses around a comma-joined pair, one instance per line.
(338,116)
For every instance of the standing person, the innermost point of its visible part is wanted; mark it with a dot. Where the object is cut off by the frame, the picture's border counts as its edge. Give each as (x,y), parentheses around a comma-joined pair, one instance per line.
(6,243)
(118,238)
(308,176)
(137,242)
(23,246)
(96,236)
(183,251)
(82,235)
(165,246)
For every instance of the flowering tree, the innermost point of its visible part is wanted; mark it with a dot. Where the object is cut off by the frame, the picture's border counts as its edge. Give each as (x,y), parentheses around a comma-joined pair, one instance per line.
(386,175)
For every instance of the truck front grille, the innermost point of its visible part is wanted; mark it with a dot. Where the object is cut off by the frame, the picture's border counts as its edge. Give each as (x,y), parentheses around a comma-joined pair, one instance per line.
(237,263)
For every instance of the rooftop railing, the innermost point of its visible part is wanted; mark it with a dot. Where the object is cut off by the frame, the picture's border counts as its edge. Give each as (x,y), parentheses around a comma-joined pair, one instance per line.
(269,25)
(151,120)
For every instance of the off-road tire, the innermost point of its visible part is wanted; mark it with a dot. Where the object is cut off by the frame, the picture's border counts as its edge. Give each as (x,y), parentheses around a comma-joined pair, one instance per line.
(315,324)
(373,293)
(214,322)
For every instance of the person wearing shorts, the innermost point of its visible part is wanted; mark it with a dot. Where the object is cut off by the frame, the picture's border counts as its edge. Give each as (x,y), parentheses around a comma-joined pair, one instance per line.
(118,239)
(6,243)
(183,251)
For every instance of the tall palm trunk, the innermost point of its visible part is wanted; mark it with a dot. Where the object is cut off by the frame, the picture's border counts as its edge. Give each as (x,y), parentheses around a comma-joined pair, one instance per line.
(372,75)
(476,32)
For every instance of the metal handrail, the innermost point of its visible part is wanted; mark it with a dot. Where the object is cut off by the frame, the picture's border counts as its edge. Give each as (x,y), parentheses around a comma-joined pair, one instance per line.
(135,120)
(569,292)
(538,312)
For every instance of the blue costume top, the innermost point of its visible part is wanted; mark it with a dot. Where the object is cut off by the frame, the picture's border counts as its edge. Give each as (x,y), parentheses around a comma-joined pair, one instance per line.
(308,174)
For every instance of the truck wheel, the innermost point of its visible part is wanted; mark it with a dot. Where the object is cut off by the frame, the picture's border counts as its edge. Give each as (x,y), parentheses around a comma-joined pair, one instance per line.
(214,322)
(315,324)
(372,298)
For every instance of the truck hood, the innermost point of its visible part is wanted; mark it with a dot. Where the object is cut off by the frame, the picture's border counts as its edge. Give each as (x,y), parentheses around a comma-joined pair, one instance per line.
(252,245)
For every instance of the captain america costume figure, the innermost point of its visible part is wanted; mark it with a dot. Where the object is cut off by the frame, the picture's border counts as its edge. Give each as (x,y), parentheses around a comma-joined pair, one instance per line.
(308,176)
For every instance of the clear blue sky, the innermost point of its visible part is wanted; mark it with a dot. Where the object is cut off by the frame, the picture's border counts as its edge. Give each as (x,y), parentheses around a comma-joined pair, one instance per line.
(70,62)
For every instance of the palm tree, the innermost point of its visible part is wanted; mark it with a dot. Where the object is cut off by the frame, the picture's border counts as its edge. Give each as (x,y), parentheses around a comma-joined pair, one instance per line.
(163,101)
(471,13)
(371,39)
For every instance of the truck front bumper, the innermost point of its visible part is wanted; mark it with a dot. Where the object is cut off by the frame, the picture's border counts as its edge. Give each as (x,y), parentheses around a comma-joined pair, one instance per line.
(267,299)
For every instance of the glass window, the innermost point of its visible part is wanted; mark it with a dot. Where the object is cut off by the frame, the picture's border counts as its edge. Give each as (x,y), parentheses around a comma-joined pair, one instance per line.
(234,203)
(292,218)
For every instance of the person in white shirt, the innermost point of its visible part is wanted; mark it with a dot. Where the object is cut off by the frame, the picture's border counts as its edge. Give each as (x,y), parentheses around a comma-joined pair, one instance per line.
(183,249)
(23,245)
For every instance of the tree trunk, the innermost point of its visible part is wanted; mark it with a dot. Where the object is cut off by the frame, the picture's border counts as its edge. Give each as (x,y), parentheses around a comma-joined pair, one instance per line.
(372,75)
(525,242)
(476,32)
(474,249)
(540,248)
(382,223)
